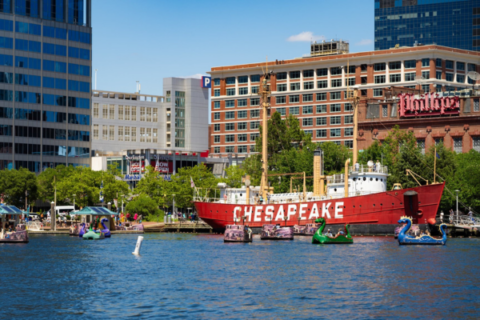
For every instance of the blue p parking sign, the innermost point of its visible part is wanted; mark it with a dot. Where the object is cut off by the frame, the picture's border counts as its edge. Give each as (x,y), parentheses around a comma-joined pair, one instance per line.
(206,82)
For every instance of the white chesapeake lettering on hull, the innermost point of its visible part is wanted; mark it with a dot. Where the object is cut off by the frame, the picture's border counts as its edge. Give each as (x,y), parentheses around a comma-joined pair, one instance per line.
(314,212)
(325,210)
(269,213)
(291,210)
(258,211)
(235,213)
(248,213)
(303,210)
(280,214)
(338,210)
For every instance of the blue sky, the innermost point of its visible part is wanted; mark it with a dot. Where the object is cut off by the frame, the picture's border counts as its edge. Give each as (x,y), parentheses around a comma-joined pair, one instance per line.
(148,40)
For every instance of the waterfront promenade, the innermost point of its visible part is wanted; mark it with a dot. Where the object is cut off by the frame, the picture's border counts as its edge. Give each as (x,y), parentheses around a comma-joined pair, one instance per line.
(193,276)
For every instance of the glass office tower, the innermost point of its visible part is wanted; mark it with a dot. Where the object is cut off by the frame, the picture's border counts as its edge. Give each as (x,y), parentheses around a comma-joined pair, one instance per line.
(451,23)
(45,83)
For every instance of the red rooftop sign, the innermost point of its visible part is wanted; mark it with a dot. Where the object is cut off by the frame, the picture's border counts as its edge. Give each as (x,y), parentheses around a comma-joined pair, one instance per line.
(428,104)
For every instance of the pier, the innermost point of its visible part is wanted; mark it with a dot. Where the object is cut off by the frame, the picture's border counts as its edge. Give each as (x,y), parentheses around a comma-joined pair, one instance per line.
(188,226)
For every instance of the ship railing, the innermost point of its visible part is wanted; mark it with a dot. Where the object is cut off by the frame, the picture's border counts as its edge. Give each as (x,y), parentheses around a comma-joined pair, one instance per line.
(363,168)
(336,178)
(206,195)
(466,220)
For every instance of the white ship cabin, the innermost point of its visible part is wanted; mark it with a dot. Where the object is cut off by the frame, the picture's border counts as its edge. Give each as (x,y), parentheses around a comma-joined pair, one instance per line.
(362,180)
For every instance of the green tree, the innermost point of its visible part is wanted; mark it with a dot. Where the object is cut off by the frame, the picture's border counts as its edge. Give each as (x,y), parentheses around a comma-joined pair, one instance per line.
(153,185)
(202,177)
(374,152)
(14,183)
(466,178)
(48,178)
(234,175)
(334,157)
(145,206)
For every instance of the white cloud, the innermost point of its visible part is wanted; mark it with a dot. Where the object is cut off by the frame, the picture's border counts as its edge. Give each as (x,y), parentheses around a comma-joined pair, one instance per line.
(306,36)
(196,76)
(364,42)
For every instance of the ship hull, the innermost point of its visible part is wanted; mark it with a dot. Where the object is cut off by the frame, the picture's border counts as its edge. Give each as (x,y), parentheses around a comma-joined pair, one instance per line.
(367,214)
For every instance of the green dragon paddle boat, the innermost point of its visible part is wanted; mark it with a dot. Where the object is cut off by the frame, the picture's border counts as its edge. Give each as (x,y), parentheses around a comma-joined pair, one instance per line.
(92,235)
(319,237)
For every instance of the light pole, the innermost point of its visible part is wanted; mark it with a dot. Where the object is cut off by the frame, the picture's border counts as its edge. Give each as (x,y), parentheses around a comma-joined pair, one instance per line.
(74,195)
(457,191)
(173,204)
(26,200)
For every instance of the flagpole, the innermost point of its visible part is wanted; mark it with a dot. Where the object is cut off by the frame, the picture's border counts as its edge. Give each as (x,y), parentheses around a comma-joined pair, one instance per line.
(435,165)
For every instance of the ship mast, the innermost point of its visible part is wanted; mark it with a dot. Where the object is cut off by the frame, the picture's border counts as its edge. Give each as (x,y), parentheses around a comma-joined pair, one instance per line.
(264,92)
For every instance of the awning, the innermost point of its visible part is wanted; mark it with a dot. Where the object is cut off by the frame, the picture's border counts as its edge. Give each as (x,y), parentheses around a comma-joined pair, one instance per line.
(95,211)
(10,210)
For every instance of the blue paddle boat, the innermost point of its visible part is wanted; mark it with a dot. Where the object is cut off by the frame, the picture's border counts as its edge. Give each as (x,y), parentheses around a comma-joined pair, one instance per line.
(404,238)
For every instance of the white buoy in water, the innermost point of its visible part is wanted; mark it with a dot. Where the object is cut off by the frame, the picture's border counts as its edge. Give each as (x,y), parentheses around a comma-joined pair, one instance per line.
(138,246)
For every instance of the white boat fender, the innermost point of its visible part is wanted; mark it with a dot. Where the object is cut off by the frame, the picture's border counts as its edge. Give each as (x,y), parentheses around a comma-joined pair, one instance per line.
(138,246)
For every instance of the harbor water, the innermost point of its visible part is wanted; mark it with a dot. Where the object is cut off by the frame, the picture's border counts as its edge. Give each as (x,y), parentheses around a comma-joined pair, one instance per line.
(187,276)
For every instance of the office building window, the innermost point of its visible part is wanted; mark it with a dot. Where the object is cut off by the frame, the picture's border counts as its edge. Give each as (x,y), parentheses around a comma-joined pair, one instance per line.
(255,113)
(294,99)
(230,149)
(425,62)
(426,74)
(229,138)
(410,64)
(216,150)
(348,132)
(95,132)
(335,71)
(335,133)
(380,79)
(377,92)
(348,144)
(133,134)
(294,74)
(395,65)
(216,93)
(127,113)
(322,96)
(335,108)
(254,125)
(243,79)
(322,84)
(216,116)
(216,81)
(321,133)
(230,104)
(95,110)
(282,111)
(111,135)
(350,82)
(322,108)
(460,66)
(322,72)
(242,102)
(282,87)
(282,76)
(308,73)
(307,98)
(307,122)
(295,86)
(231,92)
(348,120)
(449,77)
(336,83)
(379,66)
(254,102)
(242,137)
(242,114)
(438,75)
(134,114)
(243,91)
(438,63)
(308,85)
(335,120)
(348,107)
(460,78)
(255,78)
(120,133)
(476,143)
(254,136)
(120,112)
(230,80)
(281,100)
(384,111)
(216,127)
(142,113)
(449,64)
(307,110)
(254,89)
(295,111)
(335,95)
(322,121)
(229,115)
(410,76)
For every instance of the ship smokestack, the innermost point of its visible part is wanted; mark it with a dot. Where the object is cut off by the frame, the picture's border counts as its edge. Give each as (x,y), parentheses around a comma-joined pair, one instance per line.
(318,187)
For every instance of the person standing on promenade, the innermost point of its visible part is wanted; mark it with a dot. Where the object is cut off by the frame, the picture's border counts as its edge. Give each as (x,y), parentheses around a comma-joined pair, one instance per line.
(135,217)
(441,216)
(470,214)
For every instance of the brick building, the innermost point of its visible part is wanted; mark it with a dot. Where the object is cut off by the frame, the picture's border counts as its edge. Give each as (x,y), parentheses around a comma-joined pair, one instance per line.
(313,89)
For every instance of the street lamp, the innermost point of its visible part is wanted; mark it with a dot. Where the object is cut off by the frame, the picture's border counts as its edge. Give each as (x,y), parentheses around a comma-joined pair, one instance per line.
(74,195)
(173,204)
(457,191)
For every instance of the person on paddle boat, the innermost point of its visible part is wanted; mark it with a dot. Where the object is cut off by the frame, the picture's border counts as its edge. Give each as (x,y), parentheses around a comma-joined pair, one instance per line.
(329,233)
(340,232)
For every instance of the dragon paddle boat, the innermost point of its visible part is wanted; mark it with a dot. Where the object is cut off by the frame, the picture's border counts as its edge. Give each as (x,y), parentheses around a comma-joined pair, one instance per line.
(77,230)
(404,238)
(237,233)
(276,232)
(11,231)
(319,237)
(92,235)
(105,230)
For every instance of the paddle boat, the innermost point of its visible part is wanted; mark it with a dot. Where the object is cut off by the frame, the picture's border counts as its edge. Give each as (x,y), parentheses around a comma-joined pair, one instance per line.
(321,238)
(307,230)
(105,230)
(414,230)
(425,239)
(276,232)
(11,231)
(92,235)
(237,233)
